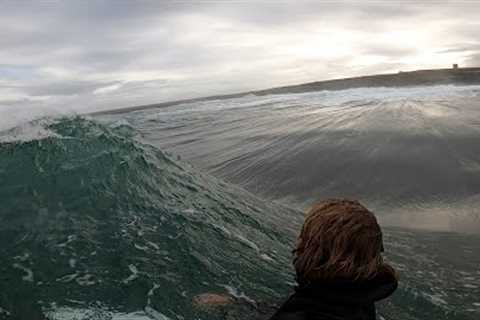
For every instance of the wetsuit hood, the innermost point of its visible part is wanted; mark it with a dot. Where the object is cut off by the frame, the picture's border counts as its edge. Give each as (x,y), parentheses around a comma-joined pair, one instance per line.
(338,299)
(350,292)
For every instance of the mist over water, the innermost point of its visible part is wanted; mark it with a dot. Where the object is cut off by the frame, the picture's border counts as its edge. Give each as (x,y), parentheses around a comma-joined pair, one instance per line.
(411,154)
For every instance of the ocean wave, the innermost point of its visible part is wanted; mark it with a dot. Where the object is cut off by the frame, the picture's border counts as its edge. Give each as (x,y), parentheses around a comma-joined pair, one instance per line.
(78,204)
(400,150)
(97,223)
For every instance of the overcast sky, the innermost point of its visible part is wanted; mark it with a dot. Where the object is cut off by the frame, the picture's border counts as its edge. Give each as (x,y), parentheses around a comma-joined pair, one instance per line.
(92,55)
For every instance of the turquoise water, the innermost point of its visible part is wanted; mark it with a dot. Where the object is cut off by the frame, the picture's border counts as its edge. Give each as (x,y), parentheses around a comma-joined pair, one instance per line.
(98,221)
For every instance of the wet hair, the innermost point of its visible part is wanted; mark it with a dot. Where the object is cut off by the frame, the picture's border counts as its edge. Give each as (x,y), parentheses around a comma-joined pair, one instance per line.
(340,239)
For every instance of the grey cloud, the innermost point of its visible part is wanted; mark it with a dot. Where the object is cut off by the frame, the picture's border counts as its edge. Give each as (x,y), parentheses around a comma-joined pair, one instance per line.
(462,48)
(473,60)
(286,13)
(102,43)
(13,102)
(65,88)
(393,52)
(104,59)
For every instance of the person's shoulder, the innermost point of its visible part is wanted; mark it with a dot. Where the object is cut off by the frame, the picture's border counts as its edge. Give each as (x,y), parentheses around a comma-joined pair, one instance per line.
(291,309)
(298,315)
(305,306)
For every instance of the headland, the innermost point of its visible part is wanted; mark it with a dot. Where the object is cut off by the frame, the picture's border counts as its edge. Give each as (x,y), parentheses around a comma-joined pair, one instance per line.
(427,77)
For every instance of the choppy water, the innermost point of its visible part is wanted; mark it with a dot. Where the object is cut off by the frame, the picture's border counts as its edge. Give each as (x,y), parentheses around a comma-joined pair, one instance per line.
(98,221)
(412,154)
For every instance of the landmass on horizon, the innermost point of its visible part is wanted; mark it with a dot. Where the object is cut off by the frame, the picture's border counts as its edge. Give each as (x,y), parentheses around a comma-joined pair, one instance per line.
(423,77)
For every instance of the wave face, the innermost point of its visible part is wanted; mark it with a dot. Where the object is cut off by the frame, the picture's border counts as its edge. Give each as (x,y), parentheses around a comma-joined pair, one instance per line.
(411,154)
(94,223)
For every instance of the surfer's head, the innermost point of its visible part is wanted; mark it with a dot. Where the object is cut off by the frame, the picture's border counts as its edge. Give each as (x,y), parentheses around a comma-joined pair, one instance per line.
(340,239)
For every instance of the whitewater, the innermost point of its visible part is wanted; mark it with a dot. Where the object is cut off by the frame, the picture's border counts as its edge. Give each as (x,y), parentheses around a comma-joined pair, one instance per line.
(129,216)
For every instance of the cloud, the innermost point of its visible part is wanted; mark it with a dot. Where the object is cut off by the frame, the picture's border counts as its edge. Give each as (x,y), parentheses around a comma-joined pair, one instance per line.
(473,60)
(104,54)
(66,88)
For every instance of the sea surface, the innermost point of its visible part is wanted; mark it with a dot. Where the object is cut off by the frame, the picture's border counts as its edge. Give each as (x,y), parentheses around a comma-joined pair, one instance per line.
(130,216)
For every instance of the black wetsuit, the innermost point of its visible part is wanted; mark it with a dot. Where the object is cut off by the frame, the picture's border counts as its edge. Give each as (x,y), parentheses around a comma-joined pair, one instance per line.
(337,300)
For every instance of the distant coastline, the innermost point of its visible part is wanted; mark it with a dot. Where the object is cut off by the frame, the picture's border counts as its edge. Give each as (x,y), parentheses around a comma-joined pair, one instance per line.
(463,76)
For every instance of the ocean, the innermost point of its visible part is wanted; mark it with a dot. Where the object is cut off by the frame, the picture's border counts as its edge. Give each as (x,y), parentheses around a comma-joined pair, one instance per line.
(131,215)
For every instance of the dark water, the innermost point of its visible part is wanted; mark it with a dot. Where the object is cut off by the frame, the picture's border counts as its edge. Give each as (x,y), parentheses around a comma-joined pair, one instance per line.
(97,221)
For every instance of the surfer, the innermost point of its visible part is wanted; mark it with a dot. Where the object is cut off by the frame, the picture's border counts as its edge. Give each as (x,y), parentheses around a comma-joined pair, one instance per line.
(339,266)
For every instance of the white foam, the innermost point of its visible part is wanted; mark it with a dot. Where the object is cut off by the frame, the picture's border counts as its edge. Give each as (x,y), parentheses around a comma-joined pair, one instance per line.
(67,313)
(435,299)
(14,116)
(222,229)
(141,248)
(27,132)
(134,274)
(70,239)
(86,280)
(152,313)
(28,273)
(324,98)
(24,257)
(67,278)
(266,257)
(429,93)
(4,311)
(153,245)
(237,294)
(249,243)
(151,292)
(72,262)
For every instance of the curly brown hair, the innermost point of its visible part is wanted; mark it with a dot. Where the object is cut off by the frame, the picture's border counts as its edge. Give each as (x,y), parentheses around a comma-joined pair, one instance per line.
(340,239)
